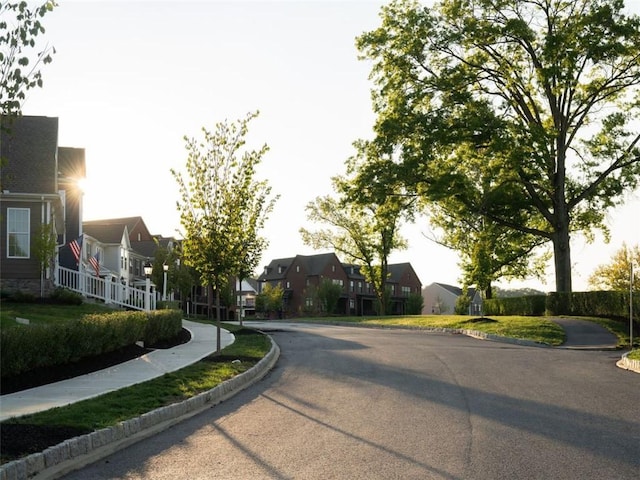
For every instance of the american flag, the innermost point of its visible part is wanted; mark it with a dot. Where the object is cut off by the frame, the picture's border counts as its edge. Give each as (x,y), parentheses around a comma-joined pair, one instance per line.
(95,263)
(76,248)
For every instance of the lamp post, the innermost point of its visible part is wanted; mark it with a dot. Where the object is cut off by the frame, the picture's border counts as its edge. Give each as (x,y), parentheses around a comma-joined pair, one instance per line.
(148,268)
(165,269)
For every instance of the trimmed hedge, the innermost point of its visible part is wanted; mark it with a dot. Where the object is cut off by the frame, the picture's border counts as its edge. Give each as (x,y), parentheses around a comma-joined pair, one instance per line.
(533,305)
(27,347)
(613,305)
(607,304)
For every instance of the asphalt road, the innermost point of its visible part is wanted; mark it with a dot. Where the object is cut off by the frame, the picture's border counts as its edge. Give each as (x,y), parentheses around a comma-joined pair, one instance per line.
(356,403)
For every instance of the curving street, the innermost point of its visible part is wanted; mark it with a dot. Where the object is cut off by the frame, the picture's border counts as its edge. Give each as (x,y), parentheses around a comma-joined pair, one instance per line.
(348,402)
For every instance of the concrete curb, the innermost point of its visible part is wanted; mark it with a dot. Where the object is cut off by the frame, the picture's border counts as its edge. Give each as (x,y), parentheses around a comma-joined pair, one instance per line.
(626,364)
(78,452)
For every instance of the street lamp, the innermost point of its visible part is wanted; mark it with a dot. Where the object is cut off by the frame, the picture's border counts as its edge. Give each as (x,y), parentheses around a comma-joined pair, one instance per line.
(148,268)
(165,269)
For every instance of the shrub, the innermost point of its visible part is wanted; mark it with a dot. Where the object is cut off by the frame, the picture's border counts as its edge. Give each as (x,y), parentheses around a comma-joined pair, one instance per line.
(22,297)
(27,347)
(64,296)
(162,325)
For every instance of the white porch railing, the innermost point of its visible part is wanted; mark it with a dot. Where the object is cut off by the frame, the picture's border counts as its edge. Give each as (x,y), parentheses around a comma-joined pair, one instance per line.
(104,289)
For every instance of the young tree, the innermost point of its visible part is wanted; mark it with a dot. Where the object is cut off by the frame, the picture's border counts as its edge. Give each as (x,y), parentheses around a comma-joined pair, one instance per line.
(270,299)
(544,93)
(20,26)
(328,296)
(217,196)
(616,274)
(44,249)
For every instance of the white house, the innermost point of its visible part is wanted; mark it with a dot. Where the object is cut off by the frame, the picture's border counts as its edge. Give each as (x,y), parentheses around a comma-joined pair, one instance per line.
(440,298)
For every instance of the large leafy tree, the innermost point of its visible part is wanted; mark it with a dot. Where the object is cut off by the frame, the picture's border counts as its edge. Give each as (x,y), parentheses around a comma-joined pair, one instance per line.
(222,206)
(364,233)
(20,53)
(539,96)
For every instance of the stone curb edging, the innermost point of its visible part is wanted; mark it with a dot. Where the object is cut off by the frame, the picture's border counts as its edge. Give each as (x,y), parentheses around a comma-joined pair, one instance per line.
(626,364)
(80,451)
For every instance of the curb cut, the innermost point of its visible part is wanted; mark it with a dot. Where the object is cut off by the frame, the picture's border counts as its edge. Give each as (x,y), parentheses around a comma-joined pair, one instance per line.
(626,364)
(78,452)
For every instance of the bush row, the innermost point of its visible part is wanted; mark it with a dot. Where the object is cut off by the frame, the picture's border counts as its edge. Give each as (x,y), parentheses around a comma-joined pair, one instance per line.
(27,347)
(529,305)
(596,304)
(613,305)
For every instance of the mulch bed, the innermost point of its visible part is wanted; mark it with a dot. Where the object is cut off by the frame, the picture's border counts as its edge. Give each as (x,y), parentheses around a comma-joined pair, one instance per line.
(18,440)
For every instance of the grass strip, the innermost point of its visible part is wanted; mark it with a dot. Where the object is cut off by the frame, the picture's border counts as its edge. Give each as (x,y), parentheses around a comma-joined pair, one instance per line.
(111,408)
(537,329)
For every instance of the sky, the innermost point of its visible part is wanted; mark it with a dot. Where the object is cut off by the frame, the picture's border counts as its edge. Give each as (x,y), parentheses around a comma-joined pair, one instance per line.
(131,79)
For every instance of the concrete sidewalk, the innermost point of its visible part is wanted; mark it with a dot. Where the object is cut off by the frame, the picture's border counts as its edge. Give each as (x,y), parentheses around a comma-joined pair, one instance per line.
(151,365)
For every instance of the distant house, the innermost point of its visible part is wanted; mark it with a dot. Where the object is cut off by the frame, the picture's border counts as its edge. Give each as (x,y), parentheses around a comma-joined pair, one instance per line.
(300,277)
(124,246)
(39,187)
(440,299)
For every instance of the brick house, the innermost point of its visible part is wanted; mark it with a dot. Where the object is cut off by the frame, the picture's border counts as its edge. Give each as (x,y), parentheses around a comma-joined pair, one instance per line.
(39,188)
(300,276)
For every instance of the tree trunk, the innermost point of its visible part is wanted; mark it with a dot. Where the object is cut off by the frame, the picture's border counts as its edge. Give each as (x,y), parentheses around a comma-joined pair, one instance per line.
(562,259)
(488,293)
(218,315)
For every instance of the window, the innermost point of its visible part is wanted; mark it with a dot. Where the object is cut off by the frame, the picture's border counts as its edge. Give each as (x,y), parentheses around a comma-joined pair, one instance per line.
(18,221)
(351,285)
(406,291)
(337,281)
(352,304)
(288,284)
(297,268)
(308,302)
(333,268)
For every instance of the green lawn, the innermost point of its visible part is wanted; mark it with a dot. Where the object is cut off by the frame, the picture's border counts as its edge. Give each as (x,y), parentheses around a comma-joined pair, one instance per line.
(38,313)
(537,329)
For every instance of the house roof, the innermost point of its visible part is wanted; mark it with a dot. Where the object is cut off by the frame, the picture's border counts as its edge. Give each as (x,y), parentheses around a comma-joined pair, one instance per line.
(457,291)
(131,222)
(273,270)
(105,233)
(397,270)
(146,248)
(315,264)
(30,145)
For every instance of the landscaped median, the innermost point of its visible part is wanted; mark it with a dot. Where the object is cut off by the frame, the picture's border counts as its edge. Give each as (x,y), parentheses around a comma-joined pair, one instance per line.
(102,425)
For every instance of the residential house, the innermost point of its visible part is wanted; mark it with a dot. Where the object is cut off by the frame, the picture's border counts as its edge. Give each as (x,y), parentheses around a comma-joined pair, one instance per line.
(300,277)
(440,299)
(39,190)
(123,246)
